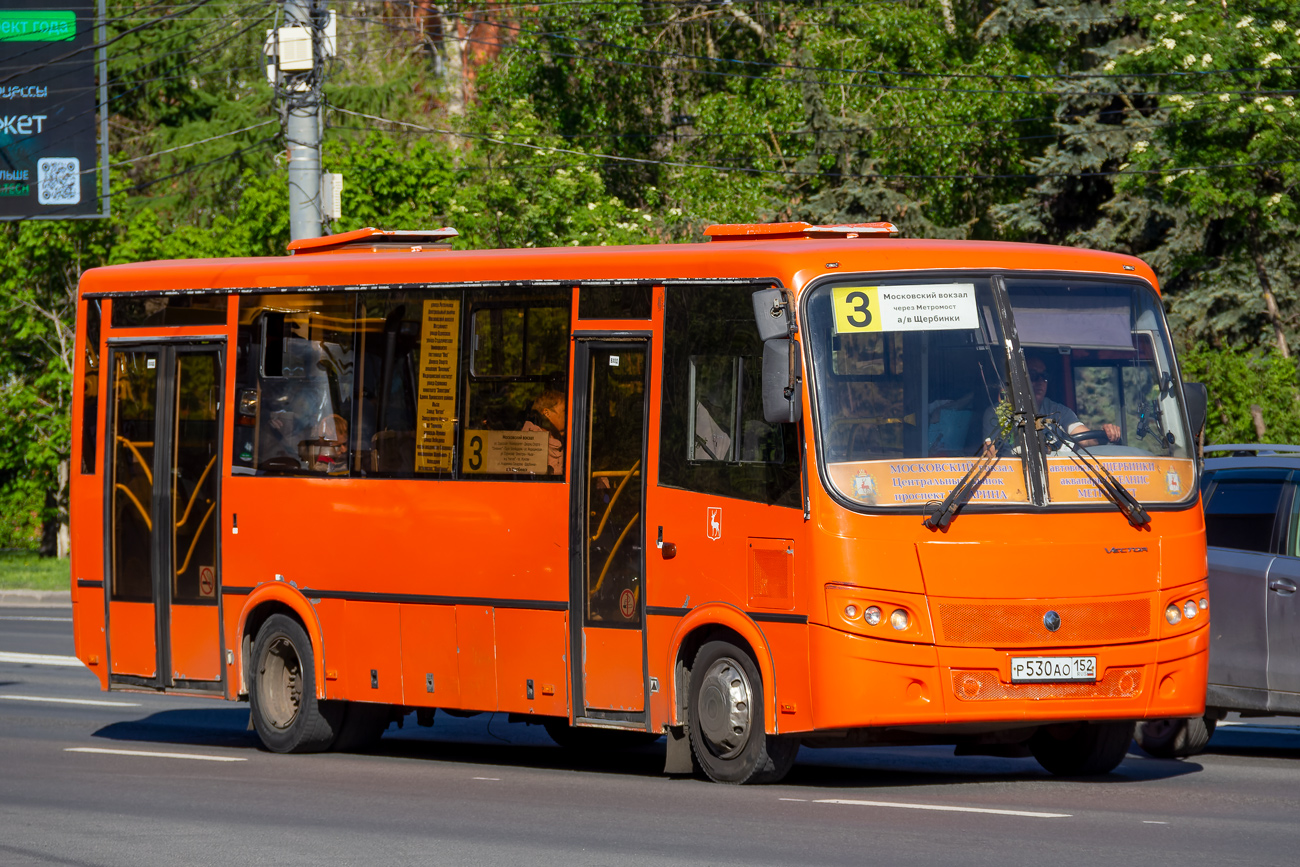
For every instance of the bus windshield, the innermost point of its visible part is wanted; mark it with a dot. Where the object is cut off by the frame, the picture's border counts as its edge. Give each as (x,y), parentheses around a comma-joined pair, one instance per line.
(912,385)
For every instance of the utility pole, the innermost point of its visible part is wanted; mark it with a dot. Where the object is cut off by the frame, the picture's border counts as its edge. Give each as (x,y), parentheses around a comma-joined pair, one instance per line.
(299,63)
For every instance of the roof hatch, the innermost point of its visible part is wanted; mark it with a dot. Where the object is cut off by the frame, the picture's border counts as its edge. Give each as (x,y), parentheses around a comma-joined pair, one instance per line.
(377,241)
(782,231)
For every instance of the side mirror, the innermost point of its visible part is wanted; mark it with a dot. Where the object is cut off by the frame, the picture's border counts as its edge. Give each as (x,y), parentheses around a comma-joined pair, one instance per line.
(782,381)
(1198,405)
(771,314)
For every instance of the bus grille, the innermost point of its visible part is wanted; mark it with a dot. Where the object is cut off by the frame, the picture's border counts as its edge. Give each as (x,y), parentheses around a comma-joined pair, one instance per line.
(987,686)
(1019,623)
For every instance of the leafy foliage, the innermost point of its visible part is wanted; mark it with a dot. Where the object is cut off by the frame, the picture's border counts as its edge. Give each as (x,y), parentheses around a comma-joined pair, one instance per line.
(1162,128)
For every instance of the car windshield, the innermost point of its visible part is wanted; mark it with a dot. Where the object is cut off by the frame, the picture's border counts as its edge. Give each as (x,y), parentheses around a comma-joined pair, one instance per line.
(911,385)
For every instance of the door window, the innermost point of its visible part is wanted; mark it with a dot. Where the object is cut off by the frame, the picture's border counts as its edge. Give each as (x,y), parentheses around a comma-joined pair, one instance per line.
(194,477)
(1241,510)
(135,409)
(615,436)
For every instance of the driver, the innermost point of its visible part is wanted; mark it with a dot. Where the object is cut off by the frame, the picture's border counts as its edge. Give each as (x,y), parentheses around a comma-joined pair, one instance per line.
(1045,406)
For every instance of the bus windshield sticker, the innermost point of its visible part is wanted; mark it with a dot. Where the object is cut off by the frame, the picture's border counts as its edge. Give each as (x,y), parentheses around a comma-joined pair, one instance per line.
(930,307)
(439,351)
(506,451)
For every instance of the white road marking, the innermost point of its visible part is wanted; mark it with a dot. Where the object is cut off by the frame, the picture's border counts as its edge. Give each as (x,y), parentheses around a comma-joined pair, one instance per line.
(89,701)
(493,779)
(1152,822)
(41,619)
(938,808)
(801,800)
(39,659)
(194,756)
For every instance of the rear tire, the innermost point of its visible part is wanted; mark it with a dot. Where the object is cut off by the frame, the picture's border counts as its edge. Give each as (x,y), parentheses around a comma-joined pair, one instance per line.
(1175,738)
(726,725)
(1081,749)
(282,698)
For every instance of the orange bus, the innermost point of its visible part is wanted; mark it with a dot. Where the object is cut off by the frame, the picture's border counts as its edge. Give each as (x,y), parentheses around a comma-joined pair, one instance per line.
(797,484)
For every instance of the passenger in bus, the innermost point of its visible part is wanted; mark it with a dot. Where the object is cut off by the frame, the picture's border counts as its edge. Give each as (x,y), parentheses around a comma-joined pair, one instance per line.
(548,414)
(1045,406)
(326,451)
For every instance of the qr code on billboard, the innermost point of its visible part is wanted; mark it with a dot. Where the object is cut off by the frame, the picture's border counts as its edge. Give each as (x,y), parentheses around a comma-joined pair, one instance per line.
(58,181)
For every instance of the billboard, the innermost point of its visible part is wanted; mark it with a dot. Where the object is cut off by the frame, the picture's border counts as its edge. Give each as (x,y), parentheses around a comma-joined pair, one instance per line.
(48,129)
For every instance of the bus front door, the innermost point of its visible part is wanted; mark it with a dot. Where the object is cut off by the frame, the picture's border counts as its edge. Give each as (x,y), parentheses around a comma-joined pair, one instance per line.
(608,596)
(162,515)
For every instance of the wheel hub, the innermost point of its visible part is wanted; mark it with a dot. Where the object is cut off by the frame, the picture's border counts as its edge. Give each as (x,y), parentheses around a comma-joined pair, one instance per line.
(279,683)
(726,708)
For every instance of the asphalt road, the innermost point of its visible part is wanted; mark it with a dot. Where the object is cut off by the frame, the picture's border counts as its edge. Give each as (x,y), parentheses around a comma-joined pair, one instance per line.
(482,791)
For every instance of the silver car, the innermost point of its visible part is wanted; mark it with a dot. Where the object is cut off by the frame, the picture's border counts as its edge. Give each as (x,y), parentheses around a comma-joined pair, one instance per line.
(1252,527)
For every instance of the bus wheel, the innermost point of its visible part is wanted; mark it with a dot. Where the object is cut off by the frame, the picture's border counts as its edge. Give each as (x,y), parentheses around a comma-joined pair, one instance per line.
(1175,738)
(285,712)
(1081,749)
(725,714)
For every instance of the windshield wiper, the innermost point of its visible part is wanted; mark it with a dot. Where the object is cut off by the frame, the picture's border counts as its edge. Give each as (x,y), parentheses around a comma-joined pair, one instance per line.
(947,508)
(1097,473)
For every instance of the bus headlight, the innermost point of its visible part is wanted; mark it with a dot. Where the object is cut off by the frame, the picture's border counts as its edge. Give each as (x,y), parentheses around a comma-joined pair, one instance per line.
(872,615)
(851,612)
(1173,614)
(898,619)
(1189,609)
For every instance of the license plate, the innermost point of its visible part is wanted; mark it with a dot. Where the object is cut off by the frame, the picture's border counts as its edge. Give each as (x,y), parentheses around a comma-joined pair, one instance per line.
(1053,669)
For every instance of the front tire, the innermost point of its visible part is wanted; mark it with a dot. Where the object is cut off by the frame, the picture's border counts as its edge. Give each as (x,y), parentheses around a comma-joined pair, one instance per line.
(725,714)
(1081,749)
(1175,738)
(285,711)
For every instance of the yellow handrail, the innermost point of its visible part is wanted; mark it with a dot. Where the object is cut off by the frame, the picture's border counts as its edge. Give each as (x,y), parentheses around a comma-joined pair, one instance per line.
(614,499)
(612,552)
(139,457)
(148,522)
(194,496)
(194,541)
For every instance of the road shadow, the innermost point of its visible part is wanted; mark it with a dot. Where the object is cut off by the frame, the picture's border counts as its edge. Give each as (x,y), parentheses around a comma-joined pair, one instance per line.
(204,727)
(488,740)
(1258,741)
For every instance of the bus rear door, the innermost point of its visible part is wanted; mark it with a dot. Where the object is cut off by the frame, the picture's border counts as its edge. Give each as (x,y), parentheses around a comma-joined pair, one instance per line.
(162,514)
(608,528)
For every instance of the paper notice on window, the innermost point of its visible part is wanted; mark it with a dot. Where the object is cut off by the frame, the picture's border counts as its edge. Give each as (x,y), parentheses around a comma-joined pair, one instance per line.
(931,307)
(505,451)
(436,402)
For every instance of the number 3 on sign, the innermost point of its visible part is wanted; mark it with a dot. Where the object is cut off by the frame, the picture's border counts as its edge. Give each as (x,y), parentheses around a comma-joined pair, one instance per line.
(857,308)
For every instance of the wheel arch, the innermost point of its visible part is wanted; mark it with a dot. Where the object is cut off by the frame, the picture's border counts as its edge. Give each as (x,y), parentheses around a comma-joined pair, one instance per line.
(718,621)
(278,598)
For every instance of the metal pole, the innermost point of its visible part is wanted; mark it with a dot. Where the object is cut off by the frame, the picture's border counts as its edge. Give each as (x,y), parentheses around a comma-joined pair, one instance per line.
(302,92)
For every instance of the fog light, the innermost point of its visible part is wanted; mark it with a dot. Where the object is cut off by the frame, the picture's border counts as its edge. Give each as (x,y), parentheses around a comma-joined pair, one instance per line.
(898,619)
(1189,609)
(1172,614)
(851,612)
(871,616)
(1204,603)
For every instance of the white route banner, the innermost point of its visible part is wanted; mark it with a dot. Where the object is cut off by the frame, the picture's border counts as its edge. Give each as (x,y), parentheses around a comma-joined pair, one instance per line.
(929,307)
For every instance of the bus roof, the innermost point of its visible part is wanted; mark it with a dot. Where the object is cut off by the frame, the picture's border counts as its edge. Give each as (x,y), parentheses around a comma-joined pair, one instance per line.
(792,261)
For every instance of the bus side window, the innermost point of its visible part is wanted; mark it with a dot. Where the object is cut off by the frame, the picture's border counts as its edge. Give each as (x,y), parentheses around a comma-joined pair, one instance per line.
(713,436)
(293,384)
(516,385)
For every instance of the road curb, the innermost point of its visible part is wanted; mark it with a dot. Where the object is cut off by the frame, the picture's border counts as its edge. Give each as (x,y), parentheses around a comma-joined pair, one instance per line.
(35,598)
